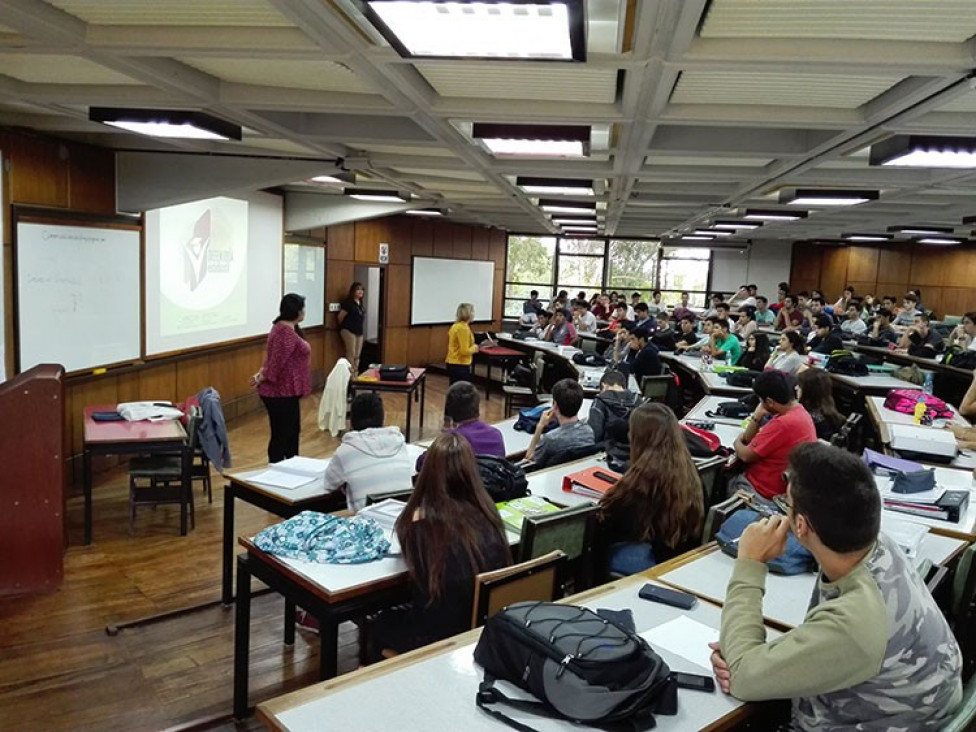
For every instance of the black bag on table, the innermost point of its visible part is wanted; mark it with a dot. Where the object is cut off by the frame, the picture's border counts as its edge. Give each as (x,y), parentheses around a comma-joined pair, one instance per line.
(589,359)
(503,480)
(847,366)
(741,378)
(731,410)
(394,372)
(961,359)
(579,665)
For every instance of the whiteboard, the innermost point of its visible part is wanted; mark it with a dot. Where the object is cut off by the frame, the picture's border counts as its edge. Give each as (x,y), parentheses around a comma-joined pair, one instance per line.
(304,268)
(440,285)
(78,295)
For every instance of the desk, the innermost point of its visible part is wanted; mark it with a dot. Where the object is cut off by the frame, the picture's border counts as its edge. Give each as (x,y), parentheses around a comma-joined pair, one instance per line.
(548,482)
(883,417)
(491,354)
(727,428)
(951,479)
(416,379)
(433,688)
(709,381)
(903,357)
(128,438)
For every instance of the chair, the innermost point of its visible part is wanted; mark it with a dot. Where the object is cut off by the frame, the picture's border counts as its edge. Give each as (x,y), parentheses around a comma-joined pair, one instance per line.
(657,388)
(536,579)
(965,715)
(517,396)
(199,465)
(567,456)
(163,476)
(397,495)
(848,436)
(570,531)
(709,471)
(588,345)
(716,516)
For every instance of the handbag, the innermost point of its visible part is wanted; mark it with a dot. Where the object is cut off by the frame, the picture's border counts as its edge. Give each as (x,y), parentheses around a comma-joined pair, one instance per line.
(579,666)
(916,481)
(394,372)
(796,559)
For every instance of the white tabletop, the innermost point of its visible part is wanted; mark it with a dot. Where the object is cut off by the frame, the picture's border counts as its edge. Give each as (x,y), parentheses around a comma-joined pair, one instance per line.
(951,479)
(710,381)
(874,382)
(439,692)
(548,483)
(727,428)
(965,460)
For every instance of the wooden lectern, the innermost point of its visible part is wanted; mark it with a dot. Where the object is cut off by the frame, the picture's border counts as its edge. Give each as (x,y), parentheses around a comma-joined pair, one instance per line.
(32,481)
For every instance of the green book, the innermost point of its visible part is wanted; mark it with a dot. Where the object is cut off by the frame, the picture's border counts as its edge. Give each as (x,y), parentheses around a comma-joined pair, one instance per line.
(512,512)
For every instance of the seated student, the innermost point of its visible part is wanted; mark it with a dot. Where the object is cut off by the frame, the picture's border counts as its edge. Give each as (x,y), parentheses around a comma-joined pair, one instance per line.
(563,332)
(533,304)
(874,651)
(682,310)
(642,356)
(372,458)
(756,353)
(853,325)
(764,316)
(723,311)
(890,302)
(967,407)
(542,326)
(782,290)
(745,297)
(686,337)
(609,415)
(663,336)
(462,415)
(789,317)
(964,335)
(881,329)
(789,355)
(600,307)
(922,340)
(655,306)
(815,309)
(642,316)
(909,309)
(571,434)
(827,337)
(817,397)
(745,324)
(868,307)
(449,531)
(583,319)
(764,449)
(655,511)
(845,300)
(723,344)
(635,297)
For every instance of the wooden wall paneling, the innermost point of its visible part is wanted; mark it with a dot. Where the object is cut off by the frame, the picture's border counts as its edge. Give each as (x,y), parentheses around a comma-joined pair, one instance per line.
(418,347)
(863,287)
(895,264)
(957,300)
(192,375)
(341,242)
(38,171)
(806,263)
(91,179)
(92,392)
(498,302)
(498,245)
(833,274)
(398,284)
(462,241)
(127,386)
(222,375)
(421,237)
(437,343)
(960,269)
(158,382)
(401,240)
(395,345)
(928,267)
(932,300)
(895,289)
(862,265)
(316,342)
(334,349)
(369,234)
(7,325)
(443,240)
(480,243)
(338,278)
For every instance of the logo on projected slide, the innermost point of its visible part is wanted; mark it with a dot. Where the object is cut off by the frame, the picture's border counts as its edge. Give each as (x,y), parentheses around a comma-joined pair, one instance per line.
(203,251)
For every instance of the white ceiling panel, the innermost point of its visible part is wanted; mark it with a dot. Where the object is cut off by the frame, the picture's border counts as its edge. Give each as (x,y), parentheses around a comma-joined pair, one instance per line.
(286,146)
(695,160)
(454,174)
(436,152)
(256,13)
(776,89)
(57,69)
(548,81)
(313,75)
(941,21)
(963,103)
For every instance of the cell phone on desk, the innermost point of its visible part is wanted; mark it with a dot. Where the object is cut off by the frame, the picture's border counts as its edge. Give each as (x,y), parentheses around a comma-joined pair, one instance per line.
(693,681)
(665,596)
(605,477)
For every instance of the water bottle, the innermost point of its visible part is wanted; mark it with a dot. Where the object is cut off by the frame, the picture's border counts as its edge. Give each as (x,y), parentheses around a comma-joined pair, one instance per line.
(927,385)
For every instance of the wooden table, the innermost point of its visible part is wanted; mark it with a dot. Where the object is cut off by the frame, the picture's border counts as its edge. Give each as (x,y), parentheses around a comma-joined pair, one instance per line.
(433,688)
(415,384)
(128,438)
(502,355)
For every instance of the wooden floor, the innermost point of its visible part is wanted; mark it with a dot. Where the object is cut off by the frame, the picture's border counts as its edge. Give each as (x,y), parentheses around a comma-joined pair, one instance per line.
(59,669)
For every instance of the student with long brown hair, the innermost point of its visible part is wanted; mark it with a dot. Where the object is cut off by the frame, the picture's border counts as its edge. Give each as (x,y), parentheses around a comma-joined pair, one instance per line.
(655,511)
(449,532)
(817,397)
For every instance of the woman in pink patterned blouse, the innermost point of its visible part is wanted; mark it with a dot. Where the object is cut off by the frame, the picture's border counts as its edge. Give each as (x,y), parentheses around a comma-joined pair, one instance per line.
(284,378)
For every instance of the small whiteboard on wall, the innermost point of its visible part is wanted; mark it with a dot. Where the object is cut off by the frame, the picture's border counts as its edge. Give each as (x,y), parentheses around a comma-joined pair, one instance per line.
(440,285)
(78,295)
(304,271)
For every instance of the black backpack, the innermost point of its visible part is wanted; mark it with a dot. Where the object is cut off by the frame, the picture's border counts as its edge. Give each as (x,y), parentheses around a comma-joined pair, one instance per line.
(847,366)
(961,359)
(589,359)
(732,410)
(503,480)
(579,665)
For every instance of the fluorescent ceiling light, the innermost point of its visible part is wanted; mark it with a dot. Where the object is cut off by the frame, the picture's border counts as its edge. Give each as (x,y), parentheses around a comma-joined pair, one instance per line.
(363,194)
(736,225)
(826,197)
(552,30)
(169,123)
(533,140)
(920,230)
(328,179)
(867,237)
(425,212)
(573,220)
(710,232)
(555,186)
(551,205)
(925,151)
(755,214)
(697,237)
(942,240)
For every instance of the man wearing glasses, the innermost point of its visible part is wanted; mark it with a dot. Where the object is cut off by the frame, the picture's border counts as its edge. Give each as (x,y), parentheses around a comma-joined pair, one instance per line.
(874,651)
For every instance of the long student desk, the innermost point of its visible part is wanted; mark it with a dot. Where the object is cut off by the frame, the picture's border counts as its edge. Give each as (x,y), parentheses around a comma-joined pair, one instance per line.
(903,357)
(951,479)
(128,438)
(433,688)
(727,428)
(710,382)
(416,384)
(883,418)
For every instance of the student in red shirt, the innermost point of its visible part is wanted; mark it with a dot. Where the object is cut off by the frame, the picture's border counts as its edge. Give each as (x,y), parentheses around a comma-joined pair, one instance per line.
(284,378)
(765,447)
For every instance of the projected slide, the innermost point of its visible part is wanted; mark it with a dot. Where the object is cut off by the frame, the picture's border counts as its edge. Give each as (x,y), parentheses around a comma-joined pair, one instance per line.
(202,266)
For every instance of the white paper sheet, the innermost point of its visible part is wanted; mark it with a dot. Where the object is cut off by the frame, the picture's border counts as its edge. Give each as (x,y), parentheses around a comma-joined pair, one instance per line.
(282,479)
(686,637)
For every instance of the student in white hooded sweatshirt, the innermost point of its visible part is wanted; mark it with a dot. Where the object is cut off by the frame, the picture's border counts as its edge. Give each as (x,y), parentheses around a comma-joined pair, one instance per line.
(372,458)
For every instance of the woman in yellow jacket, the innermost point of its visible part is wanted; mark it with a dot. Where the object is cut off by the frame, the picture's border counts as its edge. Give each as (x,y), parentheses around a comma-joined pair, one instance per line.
(460,345)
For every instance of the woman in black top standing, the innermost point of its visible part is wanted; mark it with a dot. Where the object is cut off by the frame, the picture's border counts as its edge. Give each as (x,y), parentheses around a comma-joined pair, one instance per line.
(352,319)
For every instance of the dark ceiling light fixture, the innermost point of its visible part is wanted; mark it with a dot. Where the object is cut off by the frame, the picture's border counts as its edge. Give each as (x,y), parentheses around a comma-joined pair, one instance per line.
(557,206)
(555,186)
(925,151)
(921,230)
(969,220)
(826,197)
(735,225)
(526,30)
(867,238)
(376,194)
(169,123)
(533,140)
(571,220)
(759,214)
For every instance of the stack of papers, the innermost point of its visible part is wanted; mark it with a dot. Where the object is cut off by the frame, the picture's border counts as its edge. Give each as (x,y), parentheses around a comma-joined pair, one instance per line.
(905,534)
(292,473)
(514,512)
(386,513)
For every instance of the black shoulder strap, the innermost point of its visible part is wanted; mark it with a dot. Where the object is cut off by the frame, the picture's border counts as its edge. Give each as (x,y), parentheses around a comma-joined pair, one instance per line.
(488,694)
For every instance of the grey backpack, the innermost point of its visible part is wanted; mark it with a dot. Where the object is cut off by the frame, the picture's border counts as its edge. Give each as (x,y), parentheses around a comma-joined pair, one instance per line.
(578,664)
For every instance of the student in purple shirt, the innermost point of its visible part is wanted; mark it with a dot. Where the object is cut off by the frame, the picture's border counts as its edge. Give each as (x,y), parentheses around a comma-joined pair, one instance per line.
(462,409)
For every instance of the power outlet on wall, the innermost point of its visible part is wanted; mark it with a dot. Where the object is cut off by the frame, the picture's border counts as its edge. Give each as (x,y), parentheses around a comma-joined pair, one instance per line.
(334,307)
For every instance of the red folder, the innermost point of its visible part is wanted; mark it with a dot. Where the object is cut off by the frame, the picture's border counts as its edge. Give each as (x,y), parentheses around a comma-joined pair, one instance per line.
(592,482)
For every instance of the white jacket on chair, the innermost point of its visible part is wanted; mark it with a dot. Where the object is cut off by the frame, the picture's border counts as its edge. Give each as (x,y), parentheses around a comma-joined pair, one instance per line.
(332,408)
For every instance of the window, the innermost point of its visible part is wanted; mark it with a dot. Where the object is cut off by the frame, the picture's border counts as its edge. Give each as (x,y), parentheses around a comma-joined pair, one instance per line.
(580,265)
(684,269)
(530,267)
(633,267)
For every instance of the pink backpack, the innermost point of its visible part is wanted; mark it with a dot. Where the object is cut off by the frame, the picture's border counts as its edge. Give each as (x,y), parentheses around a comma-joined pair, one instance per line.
(904,401)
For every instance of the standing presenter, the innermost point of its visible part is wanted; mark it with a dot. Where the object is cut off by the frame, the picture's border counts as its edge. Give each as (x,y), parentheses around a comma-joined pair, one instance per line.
(351,317)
